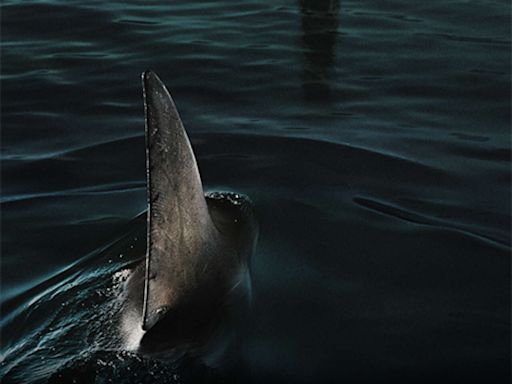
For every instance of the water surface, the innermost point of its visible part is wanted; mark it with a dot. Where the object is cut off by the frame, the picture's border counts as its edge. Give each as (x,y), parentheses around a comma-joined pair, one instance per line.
(373,138)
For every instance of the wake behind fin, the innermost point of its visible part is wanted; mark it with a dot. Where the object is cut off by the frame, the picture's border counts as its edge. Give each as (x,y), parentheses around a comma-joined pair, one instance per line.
(179,224)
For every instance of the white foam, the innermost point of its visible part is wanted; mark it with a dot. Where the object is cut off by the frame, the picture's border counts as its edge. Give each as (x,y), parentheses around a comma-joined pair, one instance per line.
(132,332)
(120,276)
(131,322)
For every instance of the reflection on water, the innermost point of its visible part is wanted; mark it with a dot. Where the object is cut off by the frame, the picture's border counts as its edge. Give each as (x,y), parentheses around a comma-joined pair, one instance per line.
(319,28)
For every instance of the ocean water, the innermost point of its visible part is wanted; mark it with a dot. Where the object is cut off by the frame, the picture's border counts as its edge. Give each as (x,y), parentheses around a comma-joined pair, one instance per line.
(372,136)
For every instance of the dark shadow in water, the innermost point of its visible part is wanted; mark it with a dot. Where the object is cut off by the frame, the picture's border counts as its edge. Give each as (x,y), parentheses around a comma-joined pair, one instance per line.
(319,27)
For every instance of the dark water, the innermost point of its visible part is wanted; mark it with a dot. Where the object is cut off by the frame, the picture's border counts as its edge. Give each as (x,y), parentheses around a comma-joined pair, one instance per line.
(372,136)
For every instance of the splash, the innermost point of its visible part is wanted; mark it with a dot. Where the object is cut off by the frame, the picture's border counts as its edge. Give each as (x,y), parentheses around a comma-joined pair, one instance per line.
(130,324)
(132,332)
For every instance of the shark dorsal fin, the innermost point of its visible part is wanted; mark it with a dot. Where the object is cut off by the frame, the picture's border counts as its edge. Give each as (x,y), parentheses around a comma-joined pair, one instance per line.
(178,218)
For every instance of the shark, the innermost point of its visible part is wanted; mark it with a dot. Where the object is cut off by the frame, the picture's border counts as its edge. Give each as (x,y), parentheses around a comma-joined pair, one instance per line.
(194,278)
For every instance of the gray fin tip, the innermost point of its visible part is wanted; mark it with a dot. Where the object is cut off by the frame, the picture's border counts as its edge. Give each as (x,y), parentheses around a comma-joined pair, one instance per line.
(148,74)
